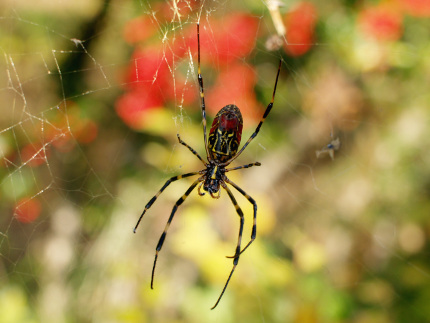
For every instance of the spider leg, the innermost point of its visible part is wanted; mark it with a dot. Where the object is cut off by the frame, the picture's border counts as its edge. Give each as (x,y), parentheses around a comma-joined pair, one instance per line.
(266,113)
(151,201)
(199,189)
(243,166)
(242,219)
(191,149)
(163,235)
(254,224)
(216,196)
(202,92)
(235,261)
(239,240)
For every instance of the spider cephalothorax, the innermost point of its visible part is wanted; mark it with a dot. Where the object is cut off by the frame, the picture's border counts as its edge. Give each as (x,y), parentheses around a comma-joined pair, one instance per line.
(222,147)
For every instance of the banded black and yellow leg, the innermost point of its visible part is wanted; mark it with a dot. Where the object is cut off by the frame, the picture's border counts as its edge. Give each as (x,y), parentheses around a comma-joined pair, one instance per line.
(163,235)
(243,166)
(266,113)
(202,91)
(242,219)
(239,240)
(191,149)
(254,220)
(151,201)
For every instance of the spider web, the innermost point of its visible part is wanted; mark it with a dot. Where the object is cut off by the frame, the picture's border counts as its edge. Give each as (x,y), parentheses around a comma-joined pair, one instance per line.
(342,192)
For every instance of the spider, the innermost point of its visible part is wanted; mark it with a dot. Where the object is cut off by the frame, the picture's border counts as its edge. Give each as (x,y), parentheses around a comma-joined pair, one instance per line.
(221,149)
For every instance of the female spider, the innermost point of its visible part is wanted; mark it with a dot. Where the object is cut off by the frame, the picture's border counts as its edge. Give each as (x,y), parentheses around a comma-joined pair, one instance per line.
(221,149)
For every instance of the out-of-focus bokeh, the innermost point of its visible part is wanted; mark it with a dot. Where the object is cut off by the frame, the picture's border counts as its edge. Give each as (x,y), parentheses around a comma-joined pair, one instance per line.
(93,94)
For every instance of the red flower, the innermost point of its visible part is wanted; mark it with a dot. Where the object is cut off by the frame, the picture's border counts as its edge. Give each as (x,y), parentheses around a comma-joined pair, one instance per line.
(417,8)
(148,69)
(27,210)
(154,77)
(133,106)
(381,22)
(175,10)
(61,139)
(138,29)
(34,154)
(148,84)
(234,85)
(226,40)
(180,90)
(300,23)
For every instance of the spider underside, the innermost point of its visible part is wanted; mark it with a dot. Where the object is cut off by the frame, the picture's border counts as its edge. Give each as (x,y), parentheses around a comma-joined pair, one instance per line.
(221,149)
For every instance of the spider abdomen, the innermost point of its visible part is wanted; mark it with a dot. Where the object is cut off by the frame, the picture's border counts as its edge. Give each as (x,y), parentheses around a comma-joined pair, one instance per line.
(225,134)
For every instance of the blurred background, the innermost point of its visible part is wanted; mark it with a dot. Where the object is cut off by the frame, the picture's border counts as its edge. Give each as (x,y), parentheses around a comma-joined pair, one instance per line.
(92,96)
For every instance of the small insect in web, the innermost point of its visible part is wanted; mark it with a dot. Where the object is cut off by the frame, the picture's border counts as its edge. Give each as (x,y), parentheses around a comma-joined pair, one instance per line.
(221,149)
(329,149)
